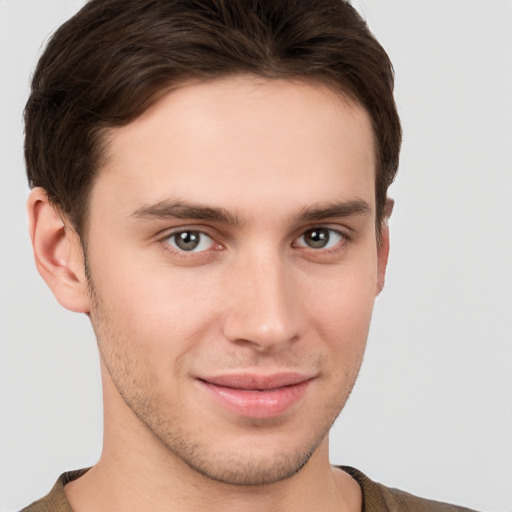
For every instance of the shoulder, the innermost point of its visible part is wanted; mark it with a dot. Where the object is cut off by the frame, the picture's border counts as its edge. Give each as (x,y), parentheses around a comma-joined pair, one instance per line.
(55,500)
(379,498)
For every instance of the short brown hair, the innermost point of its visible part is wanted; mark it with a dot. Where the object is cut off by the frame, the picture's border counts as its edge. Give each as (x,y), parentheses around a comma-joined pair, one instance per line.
(105,65)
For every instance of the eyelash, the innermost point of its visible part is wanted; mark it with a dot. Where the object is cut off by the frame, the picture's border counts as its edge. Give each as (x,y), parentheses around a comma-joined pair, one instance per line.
(344,239)
(177,252)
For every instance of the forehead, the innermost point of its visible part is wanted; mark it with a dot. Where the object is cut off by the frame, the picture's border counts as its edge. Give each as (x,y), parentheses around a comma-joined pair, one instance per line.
(218,140)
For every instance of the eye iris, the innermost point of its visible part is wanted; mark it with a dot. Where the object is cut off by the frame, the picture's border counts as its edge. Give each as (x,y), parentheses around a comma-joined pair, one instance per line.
(187,240)
(317,238)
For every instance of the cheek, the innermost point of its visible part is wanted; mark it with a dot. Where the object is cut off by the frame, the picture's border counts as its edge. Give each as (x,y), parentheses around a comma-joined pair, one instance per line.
(340,310)
(161,311)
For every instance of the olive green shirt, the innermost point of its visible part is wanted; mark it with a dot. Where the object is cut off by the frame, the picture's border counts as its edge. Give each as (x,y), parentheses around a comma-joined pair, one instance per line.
(376,497)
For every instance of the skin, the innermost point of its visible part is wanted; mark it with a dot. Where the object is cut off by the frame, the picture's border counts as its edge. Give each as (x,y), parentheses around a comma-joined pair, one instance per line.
(273,160)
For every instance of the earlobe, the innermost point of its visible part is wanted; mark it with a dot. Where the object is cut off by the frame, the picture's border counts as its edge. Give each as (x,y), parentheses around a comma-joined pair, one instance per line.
(57,253)
(383,245)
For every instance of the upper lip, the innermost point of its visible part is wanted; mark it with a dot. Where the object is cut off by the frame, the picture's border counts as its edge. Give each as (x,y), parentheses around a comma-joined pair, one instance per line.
(251,381)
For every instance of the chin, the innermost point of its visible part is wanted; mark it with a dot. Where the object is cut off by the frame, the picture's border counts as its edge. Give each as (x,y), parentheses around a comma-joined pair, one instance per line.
(248,470)
(260,458)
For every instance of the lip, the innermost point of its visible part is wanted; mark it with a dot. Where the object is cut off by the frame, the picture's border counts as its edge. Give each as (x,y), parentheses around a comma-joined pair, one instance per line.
(257,396)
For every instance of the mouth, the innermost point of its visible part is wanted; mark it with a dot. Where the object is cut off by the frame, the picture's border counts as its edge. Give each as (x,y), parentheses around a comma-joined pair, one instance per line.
(257,396)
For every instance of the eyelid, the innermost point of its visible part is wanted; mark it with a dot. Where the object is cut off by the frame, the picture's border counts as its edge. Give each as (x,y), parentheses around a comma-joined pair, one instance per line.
(163,234)
(167,234)
(345,235)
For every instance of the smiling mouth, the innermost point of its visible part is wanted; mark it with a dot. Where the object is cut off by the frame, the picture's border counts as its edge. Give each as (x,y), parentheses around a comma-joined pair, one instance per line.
(257,396)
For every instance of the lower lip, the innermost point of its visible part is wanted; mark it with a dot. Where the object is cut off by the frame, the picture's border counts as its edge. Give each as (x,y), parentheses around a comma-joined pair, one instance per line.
(258,404)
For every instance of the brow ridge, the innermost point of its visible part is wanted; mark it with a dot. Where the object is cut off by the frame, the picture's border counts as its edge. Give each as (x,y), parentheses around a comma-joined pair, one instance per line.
(183,210)
(334,210)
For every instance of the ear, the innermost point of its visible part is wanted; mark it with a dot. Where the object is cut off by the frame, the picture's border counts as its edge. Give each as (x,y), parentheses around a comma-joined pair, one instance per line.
(383,245)
(57,252)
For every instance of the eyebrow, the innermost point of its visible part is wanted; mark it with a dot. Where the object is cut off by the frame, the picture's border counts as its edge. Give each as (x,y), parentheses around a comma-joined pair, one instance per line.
(182,210)
(334,210)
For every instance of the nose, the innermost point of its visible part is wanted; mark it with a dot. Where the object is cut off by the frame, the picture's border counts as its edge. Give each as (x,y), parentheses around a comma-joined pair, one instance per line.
(263,311)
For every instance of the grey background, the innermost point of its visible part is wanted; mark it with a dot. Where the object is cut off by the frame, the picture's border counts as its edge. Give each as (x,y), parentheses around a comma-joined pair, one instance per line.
(432,411)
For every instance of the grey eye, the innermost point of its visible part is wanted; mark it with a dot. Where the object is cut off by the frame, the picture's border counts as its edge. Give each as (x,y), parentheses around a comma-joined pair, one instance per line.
(319,238)
(190,241)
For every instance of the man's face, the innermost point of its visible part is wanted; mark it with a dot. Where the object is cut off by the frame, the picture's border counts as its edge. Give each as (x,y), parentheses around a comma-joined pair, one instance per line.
(234,265)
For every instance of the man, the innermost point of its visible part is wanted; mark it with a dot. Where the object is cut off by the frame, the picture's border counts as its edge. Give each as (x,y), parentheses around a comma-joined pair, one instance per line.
(210,188)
